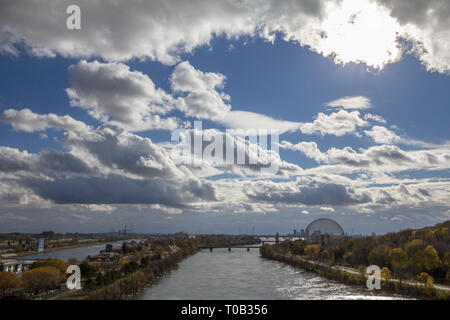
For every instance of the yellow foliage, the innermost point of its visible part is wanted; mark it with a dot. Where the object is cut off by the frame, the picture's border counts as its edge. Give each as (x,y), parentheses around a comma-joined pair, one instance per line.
(8,281)
(42,278)
(386,273)
(312,251)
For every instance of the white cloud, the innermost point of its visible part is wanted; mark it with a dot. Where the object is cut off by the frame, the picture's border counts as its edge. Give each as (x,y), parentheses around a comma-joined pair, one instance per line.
(202,100)
(374,117)
(358,102)
(373,32)
(112,92)
(28,121)
(327,209)
(251,120)
(382,158)
(337,123)
(382,135)
(159,29)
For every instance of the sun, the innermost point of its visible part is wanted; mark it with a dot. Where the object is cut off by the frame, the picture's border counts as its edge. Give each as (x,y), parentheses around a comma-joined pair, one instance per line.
(358,31)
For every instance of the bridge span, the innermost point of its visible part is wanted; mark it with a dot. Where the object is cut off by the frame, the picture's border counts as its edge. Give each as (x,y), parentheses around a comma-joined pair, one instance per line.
(230,247)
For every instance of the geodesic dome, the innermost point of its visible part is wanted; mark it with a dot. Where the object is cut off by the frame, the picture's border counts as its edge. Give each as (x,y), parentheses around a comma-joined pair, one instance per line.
(325,226)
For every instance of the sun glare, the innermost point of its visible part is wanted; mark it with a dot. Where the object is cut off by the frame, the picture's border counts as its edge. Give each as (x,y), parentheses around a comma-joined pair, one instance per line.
(359,31)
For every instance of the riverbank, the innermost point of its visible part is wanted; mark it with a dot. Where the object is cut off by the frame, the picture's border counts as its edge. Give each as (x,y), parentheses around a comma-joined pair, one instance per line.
(141,273)
(80,245)
(353,277)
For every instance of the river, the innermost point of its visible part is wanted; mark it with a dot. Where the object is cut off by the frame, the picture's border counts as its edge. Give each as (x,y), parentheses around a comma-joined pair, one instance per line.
(238,274)
(245,275)
(75,253)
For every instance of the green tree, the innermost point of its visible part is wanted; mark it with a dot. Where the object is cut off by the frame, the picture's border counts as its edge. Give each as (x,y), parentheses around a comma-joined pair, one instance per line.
(414,246)
(446,260)
(379,256)
(298,248)
(399,260)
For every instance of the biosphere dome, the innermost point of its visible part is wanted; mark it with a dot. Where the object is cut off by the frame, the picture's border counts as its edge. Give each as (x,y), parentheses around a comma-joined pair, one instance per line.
(325,226)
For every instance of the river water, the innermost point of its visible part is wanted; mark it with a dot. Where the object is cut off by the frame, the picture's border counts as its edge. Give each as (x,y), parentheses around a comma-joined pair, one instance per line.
(75,253)
(238,274)
(245,275)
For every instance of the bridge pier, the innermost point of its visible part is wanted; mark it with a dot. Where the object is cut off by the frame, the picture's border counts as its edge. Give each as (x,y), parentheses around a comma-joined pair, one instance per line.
(248,249)
(210,249)
(229,249)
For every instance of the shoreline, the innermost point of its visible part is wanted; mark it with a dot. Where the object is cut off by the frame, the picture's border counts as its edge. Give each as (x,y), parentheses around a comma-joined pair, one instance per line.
(336,273)
(81,245)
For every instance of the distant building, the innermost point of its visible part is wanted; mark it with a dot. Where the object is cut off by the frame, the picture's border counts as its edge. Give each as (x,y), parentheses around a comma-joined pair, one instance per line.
(48,234)
(104,257)
(181,235)
(15,265)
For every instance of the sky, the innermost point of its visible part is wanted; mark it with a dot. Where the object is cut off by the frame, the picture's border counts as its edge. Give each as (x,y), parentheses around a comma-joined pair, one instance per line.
(357,90)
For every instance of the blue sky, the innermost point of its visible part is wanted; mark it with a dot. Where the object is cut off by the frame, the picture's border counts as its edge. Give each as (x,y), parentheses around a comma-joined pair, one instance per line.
(104,159)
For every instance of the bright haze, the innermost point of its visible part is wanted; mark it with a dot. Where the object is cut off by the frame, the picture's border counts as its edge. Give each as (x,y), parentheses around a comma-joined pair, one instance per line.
(358,89)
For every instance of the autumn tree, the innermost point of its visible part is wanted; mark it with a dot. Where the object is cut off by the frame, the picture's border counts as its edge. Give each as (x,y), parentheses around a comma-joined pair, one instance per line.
(426,260)
(8,283)
(312,251)
(414,246)
(379,256)
(41,279)
(361,249)
(399,260)
(59,265)
(386,273)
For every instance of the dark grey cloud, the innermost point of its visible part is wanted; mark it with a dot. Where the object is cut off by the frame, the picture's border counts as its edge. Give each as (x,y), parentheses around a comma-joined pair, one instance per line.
(48,162)
(317,194)
(115,148)
(121,190)
(56,162)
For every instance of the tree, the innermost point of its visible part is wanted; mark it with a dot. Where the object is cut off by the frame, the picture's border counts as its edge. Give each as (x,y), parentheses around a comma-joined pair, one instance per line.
(59,265)
(426,260)
(446,260)
(386,273)
(414,246)
(361,249)
(298,248)
(379,256)
(130,267)
(312,251)
(8,283)
(399,259)
(432,260)
(41,279)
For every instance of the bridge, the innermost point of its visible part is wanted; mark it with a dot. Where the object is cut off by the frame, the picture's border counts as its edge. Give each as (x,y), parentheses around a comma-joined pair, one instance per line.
(230,247)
